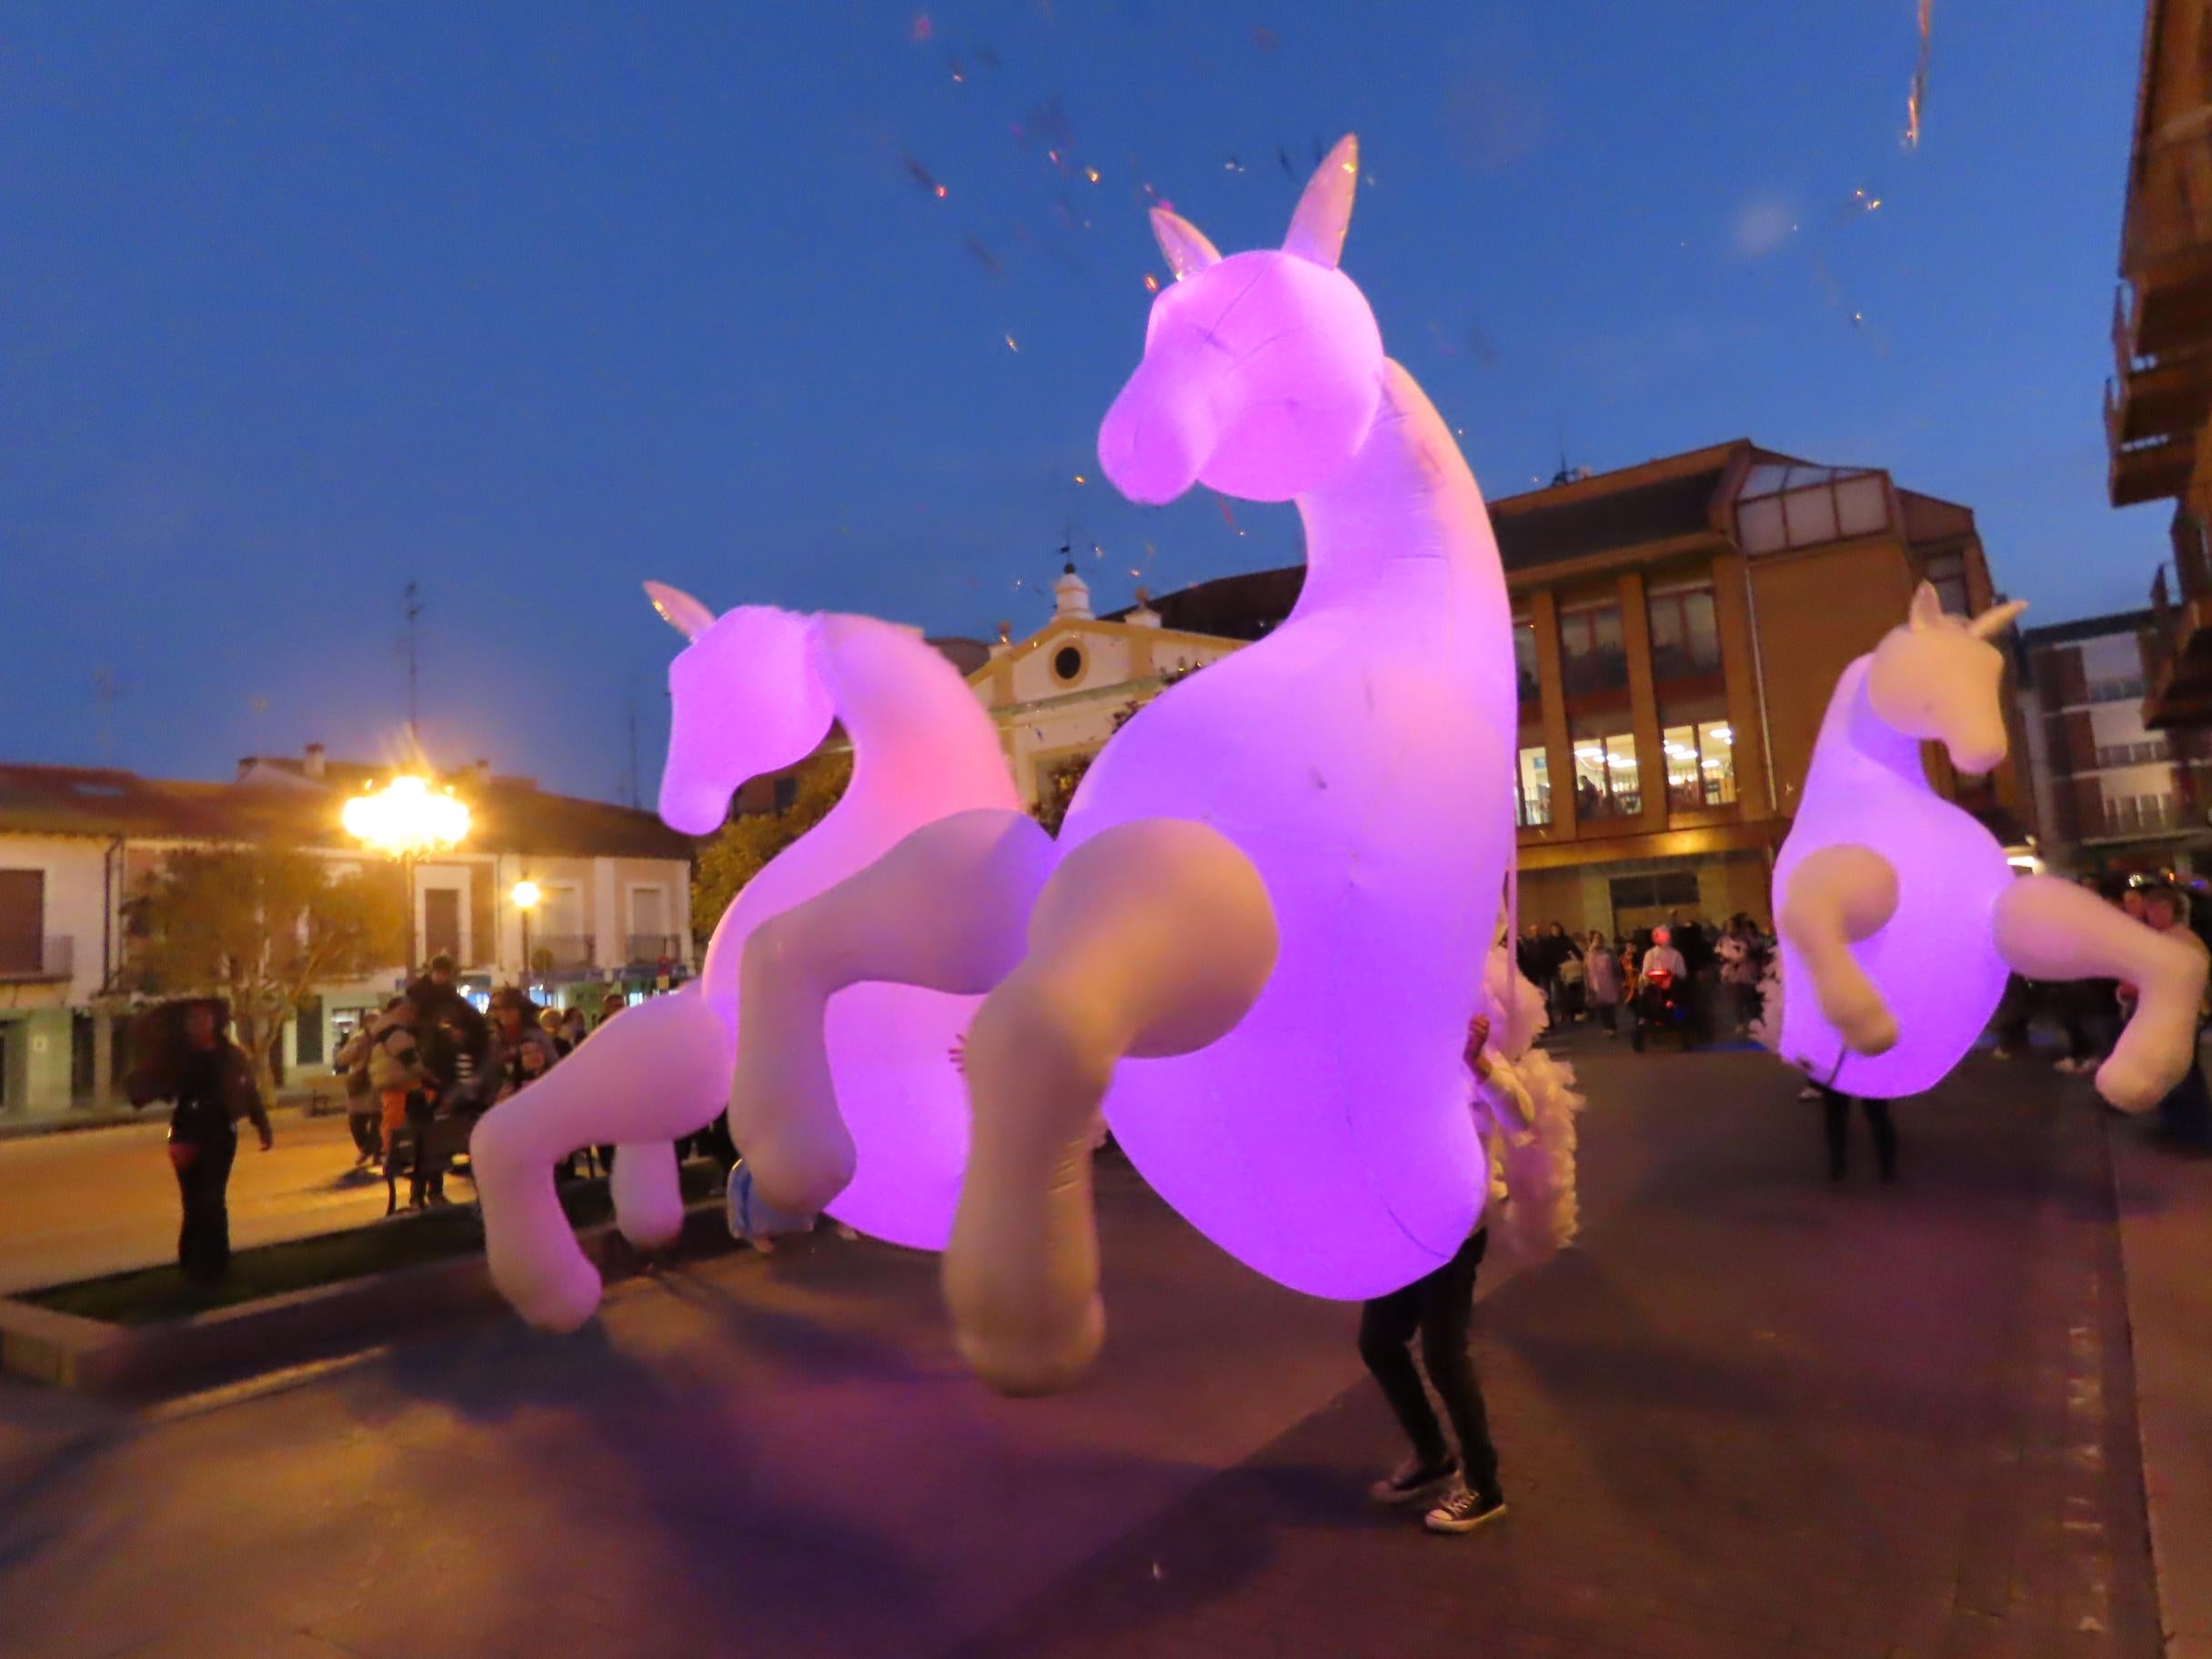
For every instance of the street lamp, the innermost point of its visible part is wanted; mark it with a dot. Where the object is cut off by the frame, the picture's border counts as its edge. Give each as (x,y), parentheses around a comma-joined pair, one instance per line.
(526,893)
(405,819)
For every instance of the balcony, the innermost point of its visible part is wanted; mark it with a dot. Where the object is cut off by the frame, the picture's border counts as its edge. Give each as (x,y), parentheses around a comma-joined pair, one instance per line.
(2166,241)
(35,959)
(552,952)
(2178,653)
(650,949)
(2142,815)
(2147,467)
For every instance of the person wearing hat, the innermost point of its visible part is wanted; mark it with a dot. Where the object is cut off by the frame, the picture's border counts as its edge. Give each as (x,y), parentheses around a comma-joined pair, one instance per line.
(522,1051)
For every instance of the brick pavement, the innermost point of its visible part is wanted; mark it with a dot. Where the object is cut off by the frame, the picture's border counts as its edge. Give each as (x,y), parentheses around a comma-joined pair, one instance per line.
(1751,1416)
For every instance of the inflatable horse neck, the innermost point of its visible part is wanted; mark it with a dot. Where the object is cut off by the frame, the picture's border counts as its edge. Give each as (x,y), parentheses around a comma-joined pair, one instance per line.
(1870,738)
(1406,500)
(901,706)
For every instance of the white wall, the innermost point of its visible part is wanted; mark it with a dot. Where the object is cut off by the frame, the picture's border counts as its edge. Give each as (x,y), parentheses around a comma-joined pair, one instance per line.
(76,903)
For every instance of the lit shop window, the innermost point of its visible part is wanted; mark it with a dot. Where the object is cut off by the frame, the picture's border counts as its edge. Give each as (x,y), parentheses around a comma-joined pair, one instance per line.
(1700,764)
(1606,784)
(1533,795)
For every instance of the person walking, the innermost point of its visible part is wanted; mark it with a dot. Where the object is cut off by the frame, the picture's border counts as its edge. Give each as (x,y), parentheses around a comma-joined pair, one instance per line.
(363,1110)
(1439,1308)
(1835,1113)
(190,1060)
(1601,982)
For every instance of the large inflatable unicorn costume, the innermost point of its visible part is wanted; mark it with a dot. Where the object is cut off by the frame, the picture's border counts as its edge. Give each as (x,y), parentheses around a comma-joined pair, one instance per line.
(1899,917)
(1256,944)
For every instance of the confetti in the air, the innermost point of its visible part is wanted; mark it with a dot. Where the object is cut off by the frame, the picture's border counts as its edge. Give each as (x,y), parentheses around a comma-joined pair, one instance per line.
(1152,283)
(921,175)
(919,29)
(1916,100)
(1009,343)
(984,257)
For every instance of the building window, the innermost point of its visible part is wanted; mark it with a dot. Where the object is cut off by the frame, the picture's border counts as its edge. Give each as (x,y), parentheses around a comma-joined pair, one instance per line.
(1533,795)
(1700,764)
(1525,663)
(1785,504)
(1591,661)
(307,1032)
(1946,573)
(1606,783)
(1685,635)
(1067,663)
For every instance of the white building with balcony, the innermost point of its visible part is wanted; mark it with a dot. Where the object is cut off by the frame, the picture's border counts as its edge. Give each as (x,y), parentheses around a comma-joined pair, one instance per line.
(2112,795)
(614,910)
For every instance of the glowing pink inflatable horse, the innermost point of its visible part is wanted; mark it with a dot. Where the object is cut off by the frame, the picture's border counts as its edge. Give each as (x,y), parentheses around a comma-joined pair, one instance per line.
(1899,917)
(754,691)
(1276,885)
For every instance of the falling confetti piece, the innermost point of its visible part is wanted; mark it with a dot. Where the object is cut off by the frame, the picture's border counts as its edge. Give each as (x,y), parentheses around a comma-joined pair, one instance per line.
(989,260)
(1009,343)
(957,74)
(1152,283)
(1228,518)
(1234,165)
(922,174)
(1916,99)
(1080,480)
(1284,157)
(1092,174)
(920,30)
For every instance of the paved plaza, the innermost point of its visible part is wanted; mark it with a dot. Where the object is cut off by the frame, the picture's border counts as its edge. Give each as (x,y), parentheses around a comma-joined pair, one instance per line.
(1751,1415)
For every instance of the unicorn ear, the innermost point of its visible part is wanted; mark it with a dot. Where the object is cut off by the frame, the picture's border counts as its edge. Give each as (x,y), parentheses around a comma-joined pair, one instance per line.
(679,610)
(1184,243)
(1325,211)
(1927,607)
(1996,620)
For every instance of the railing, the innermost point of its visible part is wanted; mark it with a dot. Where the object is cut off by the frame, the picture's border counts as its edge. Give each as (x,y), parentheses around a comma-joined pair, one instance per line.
(646,948)
(2115,690)
(552,950)
(2135,754)
(1587,673)
(36,959)
(2142,815)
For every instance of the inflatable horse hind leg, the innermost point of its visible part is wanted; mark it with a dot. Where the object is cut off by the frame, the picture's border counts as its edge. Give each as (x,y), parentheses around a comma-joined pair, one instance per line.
(2051,930)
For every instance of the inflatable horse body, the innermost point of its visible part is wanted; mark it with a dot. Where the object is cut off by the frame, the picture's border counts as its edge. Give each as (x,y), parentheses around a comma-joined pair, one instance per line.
(1264,929)
(1898,916)
(755,691)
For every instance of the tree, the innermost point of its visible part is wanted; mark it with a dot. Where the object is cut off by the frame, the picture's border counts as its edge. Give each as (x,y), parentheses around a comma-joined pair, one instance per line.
(1057,788)
(743,846)
(262,926)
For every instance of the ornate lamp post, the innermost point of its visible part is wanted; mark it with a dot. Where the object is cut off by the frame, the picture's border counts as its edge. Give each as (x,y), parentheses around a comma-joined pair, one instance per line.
(526,893)
(405,819)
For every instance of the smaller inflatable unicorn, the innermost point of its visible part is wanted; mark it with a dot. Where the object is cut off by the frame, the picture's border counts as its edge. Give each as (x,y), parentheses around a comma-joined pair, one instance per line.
(754,691)
(1899,917)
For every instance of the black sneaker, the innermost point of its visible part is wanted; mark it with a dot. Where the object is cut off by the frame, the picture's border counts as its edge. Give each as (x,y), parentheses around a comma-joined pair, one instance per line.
(1415,1481)
(1463,1511)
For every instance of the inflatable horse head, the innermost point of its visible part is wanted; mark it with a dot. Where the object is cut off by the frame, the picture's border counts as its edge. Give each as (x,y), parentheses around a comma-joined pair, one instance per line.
(756,661)
(1262,372)
(1938,677)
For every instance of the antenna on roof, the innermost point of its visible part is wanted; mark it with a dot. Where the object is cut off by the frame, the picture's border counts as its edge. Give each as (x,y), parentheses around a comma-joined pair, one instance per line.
(633,745)
(411,607)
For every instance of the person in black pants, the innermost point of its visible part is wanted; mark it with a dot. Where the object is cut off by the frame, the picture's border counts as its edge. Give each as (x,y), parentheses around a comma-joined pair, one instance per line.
(1835,1106)
(189,1058)
(1439,1307)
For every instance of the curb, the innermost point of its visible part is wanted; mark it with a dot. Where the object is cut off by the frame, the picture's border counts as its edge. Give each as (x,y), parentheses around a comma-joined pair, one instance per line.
(2165,1221)
(229,1346)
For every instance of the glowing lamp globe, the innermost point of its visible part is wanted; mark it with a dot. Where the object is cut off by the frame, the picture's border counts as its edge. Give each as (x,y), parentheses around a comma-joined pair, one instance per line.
(407,819)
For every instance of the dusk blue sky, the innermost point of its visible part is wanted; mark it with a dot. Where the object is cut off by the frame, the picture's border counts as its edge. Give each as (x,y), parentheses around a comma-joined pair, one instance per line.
(530,302)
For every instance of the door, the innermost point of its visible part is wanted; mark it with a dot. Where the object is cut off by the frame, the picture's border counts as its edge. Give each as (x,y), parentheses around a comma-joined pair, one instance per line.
(23,918)
(441,922)
(649,923)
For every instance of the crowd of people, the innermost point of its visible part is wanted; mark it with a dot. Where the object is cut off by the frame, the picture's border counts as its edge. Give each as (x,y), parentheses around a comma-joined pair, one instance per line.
(1715,971)
(418,1077)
